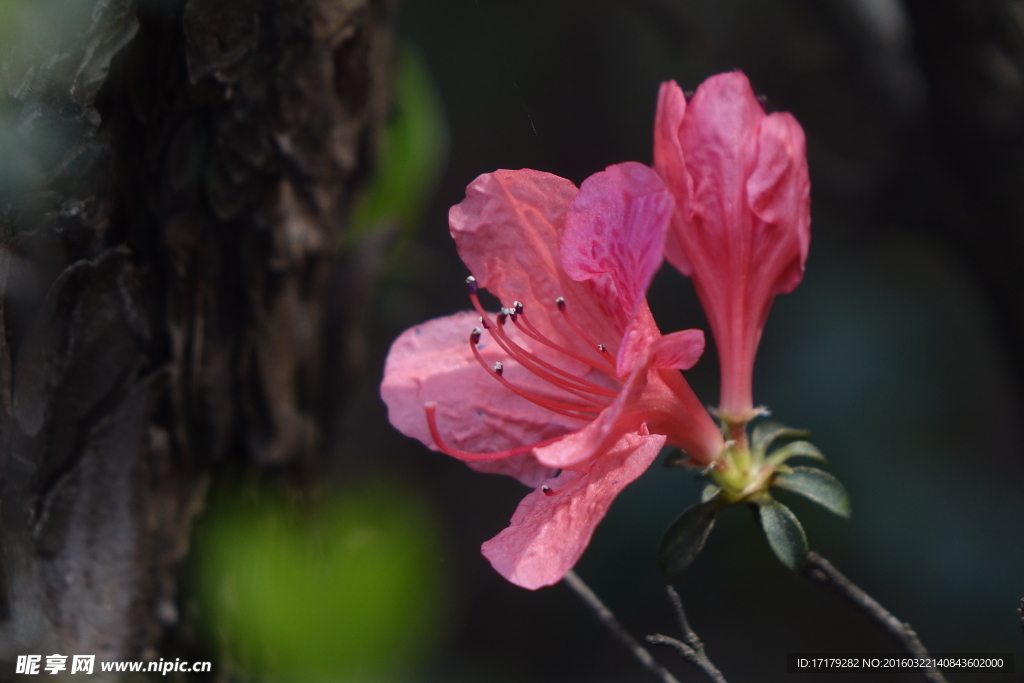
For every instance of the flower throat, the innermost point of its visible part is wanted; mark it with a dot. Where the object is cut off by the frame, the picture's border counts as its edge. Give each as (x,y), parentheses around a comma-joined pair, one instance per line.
(587,398)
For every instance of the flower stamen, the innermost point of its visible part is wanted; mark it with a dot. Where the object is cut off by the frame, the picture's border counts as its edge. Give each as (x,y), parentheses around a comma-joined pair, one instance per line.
(529,330)
(548,491)
(517,313)
(564,310)
(565,379)
(593,396)
(555,406)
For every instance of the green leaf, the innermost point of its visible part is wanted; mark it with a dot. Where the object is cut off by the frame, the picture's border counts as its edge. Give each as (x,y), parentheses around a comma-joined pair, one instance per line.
(710,491)
(341,589)
(410,154)
(785,535)
(685,537)
(765,433)
(797,449)
(677,458)
(817,485)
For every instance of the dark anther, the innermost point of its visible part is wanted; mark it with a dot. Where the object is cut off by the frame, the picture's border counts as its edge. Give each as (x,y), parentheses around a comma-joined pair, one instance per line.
(483,321)
(546,490)
(471,284)
(502,316)
(518,306)
(498,369)
(601,348)
(560,302)
(474,336)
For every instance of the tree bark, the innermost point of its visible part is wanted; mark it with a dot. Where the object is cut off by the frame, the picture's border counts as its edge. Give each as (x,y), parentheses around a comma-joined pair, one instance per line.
(166,258)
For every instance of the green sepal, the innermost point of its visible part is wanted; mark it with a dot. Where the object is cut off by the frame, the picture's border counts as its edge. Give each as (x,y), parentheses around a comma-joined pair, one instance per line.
(709,492)
(677,458)
(685,537)
(783,530)
(817,485)
(797,449)
(766,433)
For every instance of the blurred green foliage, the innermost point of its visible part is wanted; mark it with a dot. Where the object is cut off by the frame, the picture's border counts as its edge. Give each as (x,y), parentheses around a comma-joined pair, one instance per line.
(410,155)
(37,41)
(33,27)
(344,590)
(12,17)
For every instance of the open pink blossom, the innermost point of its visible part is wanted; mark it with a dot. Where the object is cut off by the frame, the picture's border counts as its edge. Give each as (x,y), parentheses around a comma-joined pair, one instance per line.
(570,388)
(742,223)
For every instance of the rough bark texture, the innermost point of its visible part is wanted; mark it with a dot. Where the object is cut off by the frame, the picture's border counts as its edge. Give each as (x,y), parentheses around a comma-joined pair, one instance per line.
(165,261)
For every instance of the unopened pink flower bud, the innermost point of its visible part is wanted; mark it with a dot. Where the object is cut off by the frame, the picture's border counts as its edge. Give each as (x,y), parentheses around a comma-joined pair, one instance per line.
(741,227)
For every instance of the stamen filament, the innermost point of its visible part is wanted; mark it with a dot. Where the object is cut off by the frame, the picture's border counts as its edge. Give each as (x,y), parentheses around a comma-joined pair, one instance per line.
(431,409)
(590,393)
(554,406)
(519,313)
(479,308)
(530,331)
(547,491)
(567,380)
(564,309)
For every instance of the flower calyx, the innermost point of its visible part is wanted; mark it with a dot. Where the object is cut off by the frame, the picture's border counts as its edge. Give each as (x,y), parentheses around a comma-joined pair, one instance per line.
(744,472)
(745,468)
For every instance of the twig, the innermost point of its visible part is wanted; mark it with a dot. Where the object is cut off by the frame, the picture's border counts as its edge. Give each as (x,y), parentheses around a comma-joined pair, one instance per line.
(820,571)
(693,649)
(588,596)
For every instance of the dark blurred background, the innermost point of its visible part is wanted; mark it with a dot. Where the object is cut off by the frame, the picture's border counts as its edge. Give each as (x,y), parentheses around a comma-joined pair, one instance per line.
(901,351)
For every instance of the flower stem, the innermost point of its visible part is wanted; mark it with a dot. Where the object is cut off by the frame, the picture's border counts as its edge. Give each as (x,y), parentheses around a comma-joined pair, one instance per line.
(693,649)
(606,617)
(820,571)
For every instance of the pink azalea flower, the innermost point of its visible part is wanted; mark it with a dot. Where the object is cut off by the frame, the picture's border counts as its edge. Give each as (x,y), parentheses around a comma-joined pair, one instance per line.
(571,388)
(742,224)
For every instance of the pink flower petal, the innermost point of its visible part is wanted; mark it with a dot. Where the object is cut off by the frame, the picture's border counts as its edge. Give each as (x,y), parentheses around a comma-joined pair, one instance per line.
(625,414)
(640,334)
(615,235)
(549,533)
(688,425)
(662,399)
(594,439)
(433,362)
(719,137)
(679,350)
(671,166)
(742,225)
(507,231)
(779,192)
